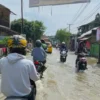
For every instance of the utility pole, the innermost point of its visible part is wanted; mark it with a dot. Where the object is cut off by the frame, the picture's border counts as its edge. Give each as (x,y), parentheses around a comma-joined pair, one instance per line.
(22,16)
(69,26)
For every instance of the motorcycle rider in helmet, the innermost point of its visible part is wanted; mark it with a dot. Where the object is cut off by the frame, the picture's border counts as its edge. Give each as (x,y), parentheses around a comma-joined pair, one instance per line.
(17,71)
(39,54)
(80,51)
(63,47)
(44,46)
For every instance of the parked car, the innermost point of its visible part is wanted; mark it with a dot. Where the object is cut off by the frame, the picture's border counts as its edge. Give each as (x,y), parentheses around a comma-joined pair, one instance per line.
(49,47)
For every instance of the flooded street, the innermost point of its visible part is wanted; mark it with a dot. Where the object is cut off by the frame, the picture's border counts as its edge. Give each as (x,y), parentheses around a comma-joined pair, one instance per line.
(62,83)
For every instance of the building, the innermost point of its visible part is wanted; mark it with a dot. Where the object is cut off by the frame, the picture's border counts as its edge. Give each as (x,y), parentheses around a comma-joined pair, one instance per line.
(45,38)
(5,21)
(5,30)
(88,31)
(89,26)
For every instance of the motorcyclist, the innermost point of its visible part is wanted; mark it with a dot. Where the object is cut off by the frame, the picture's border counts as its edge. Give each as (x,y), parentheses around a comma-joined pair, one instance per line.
(80,51)
(16,70)
(44,46)
(63,47)
(39,54)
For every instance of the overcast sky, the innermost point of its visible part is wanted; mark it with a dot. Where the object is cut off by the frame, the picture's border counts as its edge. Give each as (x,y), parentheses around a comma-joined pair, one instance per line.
(55,17)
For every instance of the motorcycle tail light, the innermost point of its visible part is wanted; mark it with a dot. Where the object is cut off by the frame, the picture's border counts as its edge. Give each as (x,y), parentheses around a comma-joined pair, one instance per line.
(36,62)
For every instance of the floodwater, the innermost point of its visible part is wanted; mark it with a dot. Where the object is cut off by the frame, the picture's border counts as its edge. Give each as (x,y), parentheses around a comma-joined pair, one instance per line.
(61,82)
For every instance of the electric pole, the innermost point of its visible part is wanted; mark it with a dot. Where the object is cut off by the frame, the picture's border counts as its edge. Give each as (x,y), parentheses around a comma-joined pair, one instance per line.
(69,26)
(22,16)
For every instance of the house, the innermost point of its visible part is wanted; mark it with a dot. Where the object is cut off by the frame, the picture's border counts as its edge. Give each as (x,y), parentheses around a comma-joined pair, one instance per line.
(5,21)
(89,26)
(5,30)
(88,31)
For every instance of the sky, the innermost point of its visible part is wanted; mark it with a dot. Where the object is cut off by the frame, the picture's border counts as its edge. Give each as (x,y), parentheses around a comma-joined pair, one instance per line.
(56,17)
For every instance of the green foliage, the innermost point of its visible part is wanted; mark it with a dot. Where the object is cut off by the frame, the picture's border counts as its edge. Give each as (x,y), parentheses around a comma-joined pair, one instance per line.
(63,35)
(4,40)
(32,29)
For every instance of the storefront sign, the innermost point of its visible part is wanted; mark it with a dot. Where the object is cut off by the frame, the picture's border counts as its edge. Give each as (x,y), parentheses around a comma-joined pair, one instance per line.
(98,34)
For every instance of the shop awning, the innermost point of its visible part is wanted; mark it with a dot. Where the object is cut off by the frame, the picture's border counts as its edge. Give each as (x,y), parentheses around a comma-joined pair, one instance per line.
(83,39)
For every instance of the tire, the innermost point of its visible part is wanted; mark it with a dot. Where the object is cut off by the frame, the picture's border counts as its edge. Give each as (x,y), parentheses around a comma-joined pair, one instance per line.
(77,66)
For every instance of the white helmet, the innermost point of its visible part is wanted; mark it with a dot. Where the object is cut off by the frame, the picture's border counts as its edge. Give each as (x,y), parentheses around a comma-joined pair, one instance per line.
(63,42)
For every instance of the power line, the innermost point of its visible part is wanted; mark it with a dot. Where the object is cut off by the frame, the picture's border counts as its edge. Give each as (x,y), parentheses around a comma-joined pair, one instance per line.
(77,13)
(91,13)
(81,12)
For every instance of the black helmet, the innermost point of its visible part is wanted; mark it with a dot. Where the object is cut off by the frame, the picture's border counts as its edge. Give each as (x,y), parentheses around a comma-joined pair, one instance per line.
(42,41)
(38,43)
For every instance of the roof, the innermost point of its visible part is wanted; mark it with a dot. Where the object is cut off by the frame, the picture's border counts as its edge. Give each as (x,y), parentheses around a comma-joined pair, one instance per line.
(44,37)
(83,39)
(7,9)
(87,33)
(9,31)
(86,24)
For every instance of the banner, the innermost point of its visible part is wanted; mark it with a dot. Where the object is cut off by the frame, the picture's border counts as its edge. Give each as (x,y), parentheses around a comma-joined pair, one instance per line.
(36,3)
(98,34)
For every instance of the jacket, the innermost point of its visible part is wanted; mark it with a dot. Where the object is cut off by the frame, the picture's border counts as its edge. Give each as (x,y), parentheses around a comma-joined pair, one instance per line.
(16,72)
(38,54)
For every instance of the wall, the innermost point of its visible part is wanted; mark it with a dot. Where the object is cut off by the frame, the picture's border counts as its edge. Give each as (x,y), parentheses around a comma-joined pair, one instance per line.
(4,16)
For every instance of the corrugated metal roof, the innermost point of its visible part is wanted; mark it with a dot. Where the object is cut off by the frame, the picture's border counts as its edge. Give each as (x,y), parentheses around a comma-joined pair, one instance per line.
(87,33)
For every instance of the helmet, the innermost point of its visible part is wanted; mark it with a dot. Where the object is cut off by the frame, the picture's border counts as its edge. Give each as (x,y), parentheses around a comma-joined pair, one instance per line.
(17,41)
(63,42)
(38,43)
(42,41)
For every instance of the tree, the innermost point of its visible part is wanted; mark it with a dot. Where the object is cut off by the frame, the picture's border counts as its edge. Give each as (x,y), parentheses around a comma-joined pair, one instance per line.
(37,30)
(63,35)
(32,29)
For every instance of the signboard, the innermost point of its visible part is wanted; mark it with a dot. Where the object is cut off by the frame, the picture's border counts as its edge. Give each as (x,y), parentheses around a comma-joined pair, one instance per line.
(98,34)
(36,3)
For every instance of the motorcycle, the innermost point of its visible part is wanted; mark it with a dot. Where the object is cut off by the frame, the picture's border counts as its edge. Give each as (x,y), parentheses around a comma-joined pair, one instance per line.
(40,67)
(63,56)
(81,64)
(32,94)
